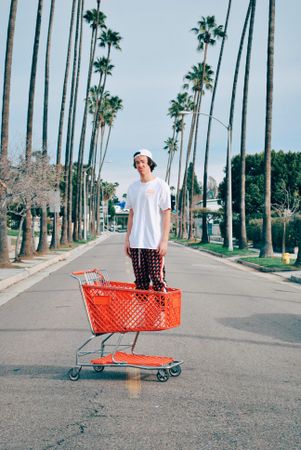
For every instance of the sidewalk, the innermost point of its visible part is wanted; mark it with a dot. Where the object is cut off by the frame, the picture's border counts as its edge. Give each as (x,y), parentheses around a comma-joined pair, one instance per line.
(289,275)
(24,269)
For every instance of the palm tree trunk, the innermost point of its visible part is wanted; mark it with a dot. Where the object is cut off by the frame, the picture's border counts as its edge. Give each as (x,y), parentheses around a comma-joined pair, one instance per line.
(95,126)
(106,147)
(54,241)
(196,140)
(98,106)
(102,132)
(167,172)
(46,80)
(298,259)
(167,166)
(205,238)
(283,236)
(66,238)
(27,246)
(98,208)
(231,116)
(243,242)
(173,151)
(78,216)
(92,207)
(183,226)
(267,247)
(179,175)
(243,235)
(43,242)
(4,250)
(198,109)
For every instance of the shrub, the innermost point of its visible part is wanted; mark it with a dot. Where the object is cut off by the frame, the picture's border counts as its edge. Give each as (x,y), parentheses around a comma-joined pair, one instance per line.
(293,227)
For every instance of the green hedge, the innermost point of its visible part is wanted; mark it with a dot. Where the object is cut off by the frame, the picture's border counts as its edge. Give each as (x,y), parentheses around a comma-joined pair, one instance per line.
(292,235)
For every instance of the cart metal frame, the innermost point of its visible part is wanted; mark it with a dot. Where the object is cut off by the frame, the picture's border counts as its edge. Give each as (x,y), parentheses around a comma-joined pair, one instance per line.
(106,348)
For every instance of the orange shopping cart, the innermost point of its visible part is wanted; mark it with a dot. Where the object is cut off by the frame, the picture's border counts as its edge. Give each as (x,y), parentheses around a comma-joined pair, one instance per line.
(114,309)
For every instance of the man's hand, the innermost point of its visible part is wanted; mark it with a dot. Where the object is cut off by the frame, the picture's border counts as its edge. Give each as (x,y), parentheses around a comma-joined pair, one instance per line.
(127,249)
(163,248)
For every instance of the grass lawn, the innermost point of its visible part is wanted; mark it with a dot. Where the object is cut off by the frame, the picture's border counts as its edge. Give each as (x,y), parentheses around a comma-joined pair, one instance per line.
(217,248)
(12,232)
(272,263)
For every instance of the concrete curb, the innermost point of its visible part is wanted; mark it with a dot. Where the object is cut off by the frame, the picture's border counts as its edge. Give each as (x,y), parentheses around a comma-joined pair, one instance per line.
(28,271)
(255,266)
(295,279)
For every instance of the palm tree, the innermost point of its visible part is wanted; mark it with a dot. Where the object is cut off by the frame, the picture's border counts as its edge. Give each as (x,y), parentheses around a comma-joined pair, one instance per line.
(66,235)
(4,254)
(110,39)
(243,242)
(171,147)
(104,68)
(43,243)
(298,259)
(205,238)
(96,19)
(174,113)
(200,80)
(207,34)
(109,112)
(54,239)
(182,104)
(267,247)
(228,205)
(27,244)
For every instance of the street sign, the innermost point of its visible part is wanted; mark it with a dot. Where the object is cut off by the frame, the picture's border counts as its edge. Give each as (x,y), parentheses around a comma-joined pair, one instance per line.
(54,201)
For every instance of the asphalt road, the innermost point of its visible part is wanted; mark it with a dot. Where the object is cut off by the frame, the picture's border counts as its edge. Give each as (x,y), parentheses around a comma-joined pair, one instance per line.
(240,340)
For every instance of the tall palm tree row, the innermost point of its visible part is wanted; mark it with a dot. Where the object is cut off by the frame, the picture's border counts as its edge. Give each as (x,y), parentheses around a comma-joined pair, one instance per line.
(107,108)
(4,253)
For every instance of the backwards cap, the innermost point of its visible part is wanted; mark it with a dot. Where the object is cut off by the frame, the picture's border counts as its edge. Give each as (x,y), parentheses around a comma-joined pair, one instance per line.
(144,152)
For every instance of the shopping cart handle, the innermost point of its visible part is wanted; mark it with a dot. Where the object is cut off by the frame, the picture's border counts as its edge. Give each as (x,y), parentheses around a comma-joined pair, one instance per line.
(82,272)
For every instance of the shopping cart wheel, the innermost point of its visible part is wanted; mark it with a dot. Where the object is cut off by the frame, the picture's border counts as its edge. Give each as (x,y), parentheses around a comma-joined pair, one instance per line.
(175,371)
(162,375)
(98,368)
(73,373)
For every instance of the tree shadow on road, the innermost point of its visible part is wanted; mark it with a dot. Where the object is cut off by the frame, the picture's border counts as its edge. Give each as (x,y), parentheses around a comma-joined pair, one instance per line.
(285,327)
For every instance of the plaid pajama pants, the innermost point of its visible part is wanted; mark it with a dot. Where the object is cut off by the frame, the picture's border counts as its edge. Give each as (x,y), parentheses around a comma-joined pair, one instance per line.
(148,267)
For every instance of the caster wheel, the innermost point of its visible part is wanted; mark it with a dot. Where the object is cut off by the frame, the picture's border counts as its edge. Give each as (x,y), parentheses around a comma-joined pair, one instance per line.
(162,375)
(175,371)
(98,368)
(73,373)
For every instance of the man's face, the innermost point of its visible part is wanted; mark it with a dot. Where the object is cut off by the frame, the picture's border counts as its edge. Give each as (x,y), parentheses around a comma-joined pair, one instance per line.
(142,165)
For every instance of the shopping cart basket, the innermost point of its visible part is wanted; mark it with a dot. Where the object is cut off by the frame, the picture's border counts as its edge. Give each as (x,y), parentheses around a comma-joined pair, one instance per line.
(114,309)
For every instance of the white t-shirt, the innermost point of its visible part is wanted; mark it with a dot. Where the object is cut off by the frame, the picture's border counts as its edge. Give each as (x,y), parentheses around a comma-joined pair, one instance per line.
(148,201)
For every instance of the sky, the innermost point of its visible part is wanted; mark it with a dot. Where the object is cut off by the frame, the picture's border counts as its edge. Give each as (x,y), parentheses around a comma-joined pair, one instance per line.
(158,49)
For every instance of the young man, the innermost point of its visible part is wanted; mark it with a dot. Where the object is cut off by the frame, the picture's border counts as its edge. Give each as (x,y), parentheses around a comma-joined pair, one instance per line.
(148,200)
